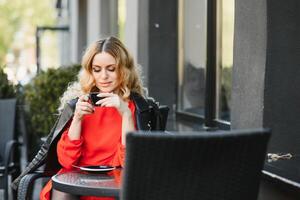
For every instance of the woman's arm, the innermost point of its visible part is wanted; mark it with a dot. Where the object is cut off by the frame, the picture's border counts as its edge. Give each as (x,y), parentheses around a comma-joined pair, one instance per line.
(69,145)
(127,124)
(68,151)
(82,108)
(75,129)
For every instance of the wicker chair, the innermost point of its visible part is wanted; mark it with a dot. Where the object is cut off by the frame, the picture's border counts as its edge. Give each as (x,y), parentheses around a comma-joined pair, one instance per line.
(188,166)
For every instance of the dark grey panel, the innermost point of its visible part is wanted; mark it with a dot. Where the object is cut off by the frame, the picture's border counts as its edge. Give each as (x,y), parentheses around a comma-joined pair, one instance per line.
(162,68)
(282,86)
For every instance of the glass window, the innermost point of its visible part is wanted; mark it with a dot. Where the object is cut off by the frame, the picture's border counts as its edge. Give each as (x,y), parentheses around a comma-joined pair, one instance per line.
(192,55)
(225,29)
(192,34)
(49,46)
(121,18)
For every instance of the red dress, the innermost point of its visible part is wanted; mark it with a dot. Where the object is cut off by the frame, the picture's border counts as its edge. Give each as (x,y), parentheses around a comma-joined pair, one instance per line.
(99,144)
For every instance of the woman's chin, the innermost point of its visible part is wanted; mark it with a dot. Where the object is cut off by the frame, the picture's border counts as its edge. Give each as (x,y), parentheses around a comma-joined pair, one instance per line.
(108,89)
(105,90)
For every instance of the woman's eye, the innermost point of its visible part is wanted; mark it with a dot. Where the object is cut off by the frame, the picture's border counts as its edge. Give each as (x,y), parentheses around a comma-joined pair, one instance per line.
(96,70)
(111,69)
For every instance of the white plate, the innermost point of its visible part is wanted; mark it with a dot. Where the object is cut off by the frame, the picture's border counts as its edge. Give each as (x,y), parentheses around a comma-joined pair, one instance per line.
(97,168)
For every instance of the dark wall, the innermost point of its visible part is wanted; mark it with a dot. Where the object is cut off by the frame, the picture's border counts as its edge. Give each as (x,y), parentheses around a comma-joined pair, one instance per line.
(266,82)
(162,51)
(282,96)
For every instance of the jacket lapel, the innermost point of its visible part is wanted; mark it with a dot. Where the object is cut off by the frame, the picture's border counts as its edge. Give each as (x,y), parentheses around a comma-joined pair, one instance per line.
(63,120)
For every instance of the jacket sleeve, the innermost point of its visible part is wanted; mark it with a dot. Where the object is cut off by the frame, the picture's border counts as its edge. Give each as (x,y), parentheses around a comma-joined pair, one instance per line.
(119,157)
(68,151)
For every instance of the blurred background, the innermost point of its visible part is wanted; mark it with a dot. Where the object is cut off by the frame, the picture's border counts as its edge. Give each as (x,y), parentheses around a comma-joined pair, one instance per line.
(19,22)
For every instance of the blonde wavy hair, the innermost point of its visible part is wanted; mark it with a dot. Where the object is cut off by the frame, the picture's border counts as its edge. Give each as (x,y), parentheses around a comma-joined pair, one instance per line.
(128,74)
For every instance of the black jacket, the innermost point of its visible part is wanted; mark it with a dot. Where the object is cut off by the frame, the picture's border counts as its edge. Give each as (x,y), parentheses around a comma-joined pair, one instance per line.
(147,119)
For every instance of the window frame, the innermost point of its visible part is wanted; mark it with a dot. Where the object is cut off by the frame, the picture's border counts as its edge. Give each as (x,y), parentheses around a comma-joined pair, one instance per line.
(209,119)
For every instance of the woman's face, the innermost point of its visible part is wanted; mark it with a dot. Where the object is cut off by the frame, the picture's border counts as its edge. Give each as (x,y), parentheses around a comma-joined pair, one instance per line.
(104,71)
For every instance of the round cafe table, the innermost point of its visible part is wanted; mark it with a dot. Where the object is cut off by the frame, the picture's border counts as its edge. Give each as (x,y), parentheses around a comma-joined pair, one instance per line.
(82,183)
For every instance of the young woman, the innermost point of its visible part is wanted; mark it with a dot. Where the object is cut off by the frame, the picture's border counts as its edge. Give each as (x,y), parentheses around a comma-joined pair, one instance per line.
(87,134)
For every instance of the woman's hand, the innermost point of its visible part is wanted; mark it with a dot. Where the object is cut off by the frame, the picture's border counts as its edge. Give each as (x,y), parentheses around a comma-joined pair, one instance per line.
(83,107)
(113,100)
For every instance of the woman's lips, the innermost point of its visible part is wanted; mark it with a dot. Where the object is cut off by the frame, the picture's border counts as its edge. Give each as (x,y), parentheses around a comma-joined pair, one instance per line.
(105,84)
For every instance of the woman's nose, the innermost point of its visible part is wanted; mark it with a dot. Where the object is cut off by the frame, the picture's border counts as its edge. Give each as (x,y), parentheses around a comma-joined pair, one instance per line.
(104,74)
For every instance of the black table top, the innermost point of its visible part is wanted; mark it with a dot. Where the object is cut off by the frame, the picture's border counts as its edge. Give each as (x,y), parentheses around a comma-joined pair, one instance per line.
(89,184)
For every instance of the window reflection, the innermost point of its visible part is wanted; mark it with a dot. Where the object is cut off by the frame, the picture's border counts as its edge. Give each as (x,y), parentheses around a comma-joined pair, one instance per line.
(192,56)
(194,88)
(193,61)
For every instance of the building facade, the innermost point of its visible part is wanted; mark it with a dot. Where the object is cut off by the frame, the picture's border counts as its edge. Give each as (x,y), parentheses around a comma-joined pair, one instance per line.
(225,64)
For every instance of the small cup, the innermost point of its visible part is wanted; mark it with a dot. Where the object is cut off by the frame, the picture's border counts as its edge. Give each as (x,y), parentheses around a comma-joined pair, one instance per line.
(94,98)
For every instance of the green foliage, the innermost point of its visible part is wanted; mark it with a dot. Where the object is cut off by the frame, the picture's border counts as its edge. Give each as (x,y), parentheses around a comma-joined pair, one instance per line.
(7,89)
(42,96)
